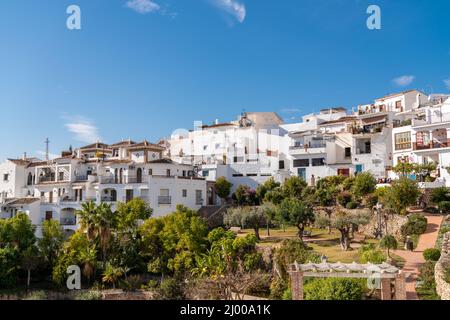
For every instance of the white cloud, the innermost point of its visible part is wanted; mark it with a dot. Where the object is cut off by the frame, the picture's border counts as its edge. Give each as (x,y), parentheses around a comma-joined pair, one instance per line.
(403,81)
(447,83)
(233,7)
(84,130)
(143,6)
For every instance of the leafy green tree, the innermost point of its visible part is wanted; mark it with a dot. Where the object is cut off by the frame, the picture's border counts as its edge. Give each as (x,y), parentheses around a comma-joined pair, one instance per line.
(403,193)
(389,242)
(246,216)
(274,196)
(270,212)
(171,243)
(268,186)
(51,242)
(344,222)
(128,215)
(8,267)
(244,195)
(296,213)
(223,188)
(364,184)
(29,261)
(293,187)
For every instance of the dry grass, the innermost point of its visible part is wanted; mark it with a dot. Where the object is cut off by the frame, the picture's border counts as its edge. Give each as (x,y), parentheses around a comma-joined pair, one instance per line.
(322,242)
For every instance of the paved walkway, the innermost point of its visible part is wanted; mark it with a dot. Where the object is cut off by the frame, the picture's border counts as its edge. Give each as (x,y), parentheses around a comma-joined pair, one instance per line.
(415,259)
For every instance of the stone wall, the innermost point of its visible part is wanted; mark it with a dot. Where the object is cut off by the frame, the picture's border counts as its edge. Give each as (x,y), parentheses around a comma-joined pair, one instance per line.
(442,286)
(394,224)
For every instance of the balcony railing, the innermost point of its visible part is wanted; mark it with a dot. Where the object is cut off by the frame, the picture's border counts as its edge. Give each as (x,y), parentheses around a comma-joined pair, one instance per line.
(108,199)
(306,146)
(124,180)
(81,178)
(434,145)
(433,118)
(403,123)
(164,200)
(44,179)
(68,221)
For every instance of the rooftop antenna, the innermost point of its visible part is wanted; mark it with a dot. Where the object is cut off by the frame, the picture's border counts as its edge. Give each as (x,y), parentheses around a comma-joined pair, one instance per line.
(47,142)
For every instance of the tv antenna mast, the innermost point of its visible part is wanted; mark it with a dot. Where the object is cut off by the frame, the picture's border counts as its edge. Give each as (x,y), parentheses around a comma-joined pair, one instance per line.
(47,142)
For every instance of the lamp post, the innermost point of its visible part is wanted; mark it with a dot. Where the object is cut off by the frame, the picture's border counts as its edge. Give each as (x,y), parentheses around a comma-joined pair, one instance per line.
(379,229)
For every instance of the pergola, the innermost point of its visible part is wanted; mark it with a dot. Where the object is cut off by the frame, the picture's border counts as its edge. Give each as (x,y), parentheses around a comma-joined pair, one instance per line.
(388,276)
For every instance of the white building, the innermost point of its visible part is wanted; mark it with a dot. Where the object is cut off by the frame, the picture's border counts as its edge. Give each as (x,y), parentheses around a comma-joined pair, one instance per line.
(246,151)
(422,135)
(101,173)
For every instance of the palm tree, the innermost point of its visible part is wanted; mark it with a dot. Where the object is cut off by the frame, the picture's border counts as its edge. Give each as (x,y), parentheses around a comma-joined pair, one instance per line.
(88,258)
(87,216)
(104,222)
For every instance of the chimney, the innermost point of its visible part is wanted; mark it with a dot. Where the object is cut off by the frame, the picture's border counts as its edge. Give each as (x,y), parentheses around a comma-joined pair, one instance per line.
(24,156)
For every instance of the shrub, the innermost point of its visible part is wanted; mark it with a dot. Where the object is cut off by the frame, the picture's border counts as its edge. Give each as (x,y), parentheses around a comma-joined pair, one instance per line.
(440,194)
(132,283)
(170,289)
(277,288)
(416,225)
(444,206)
(370,200)
(370,254)
(89,295)
(347,184)
(431,254)
(351,205)
(344,197)
(334,289)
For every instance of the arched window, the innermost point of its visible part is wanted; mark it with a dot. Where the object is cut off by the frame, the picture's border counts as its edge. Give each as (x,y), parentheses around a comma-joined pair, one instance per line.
(116,175)
(121,176)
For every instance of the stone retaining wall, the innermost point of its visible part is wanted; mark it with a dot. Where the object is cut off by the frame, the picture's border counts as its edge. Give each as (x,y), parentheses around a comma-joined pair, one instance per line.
(442,286)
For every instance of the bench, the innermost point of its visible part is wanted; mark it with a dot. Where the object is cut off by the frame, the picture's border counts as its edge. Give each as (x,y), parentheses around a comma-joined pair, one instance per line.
(236,230)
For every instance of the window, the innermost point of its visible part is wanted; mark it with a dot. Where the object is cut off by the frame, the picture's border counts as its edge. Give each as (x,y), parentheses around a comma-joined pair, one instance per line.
(348,152)
(6,177)
(205,173)
(281,164)
(318,162)
(301,163)
(168,172)
(238,175)
(252,174)
(150,172)
(205,148)
(398,104)
(61,176)
(403,140)
(184,193)
(198,197)
(235,159)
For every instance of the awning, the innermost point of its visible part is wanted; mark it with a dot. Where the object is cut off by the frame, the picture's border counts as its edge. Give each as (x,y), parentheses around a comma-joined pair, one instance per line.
(374,120)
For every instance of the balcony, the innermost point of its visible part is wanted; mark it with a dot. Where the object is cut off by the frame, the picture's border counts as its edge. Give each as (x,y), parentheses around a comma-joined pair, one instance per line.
(46,179)
(68,221)
(308,149)
(81,178)
(402,123)
(433,118)
(434,145)
(164,200)
(108,199)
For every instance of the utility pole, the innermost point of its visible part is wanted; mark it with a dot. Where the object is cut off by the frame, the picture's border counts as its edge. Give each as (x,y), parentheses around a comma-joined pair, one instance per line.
(47,142)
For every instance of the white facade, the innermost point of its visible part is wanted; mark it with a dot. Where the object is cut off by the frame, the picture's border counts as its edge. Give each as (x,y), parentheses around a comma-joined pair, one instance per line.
(101,173)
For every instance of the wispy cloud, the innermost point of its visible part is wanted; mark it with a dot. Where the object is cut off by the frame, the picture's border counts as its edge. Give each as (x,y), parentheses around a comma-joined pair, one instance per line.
(143,6)
(82,129)
(403,81)
(290,110)
(232,7)
(447,83)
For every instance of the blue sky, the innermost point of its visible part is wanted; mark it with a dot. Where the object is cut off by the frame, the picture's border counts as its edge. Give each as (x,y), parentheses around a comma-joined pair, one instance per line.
(141,68)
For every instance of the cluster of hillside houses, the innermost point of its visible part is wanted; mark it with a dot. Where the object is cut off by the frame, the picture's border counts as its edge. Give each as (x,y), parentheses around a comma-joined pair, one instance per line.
(405,127)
